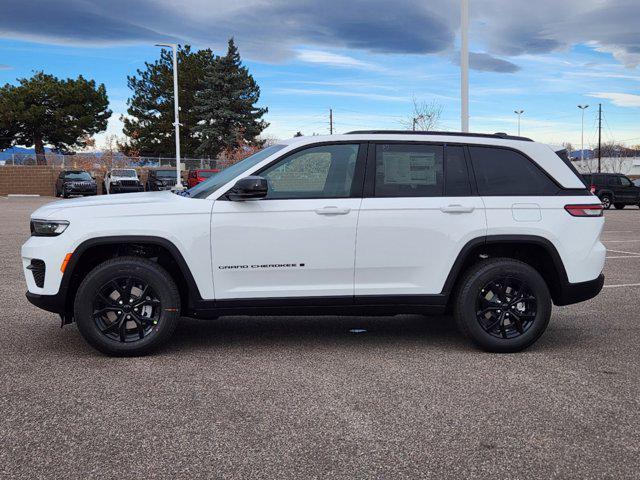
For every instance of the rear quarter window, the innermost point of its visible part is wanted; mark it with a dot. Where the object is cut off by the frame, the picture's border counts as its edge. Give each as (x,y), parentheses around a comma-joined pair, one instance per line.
(506,172)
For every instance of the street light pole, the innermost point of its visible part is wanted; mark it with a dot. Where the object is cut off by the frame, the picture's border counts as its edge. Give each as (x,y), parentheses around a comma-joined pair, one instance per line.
(583,108)
(176,109)
(519,113)
(464,65)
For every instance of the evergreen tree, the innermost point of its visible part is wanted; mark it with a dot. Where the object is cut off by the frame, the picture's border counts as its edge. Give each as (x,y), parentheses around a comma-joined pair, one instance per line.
(149,125)
(226,106)
(44,110)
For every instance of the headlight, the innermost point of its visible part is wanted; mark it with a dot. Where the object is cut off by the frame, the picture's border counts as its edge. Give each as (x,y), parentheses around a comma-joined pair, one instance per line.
(48,228)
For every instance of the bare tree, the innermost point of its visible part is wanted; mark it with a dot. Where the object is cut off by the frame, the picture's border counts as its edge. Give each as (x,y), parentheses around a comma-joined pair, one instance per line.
(425,115)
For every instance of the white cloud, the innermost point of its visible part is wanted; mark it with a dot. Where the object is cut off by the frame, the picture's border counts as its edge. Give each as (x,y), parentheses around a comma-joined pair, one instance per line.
(619,99)
(342,93)
(334,60)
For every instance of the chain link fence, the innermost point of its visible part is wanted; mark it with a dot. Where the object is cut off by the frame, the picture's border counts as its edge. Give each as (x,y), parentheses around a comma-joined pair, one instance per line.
(108,161)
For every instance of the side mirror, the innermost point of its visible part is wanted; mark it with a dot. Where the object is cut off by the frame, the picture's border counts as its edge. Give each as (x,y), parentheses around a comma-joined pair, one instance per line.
(248,188)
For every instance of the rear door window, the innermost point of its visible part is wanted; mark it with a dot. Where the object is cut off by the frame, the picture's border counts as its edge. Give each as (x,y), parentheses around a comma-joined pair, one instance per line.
(456,174)
(409,170)
(506,172)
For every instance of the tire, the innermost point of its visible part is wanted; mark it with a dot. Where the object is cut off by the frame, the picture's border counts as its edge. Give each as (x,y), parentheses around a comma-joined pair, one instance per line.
(114,332)
(64,193)
(619,206)
(606,201)
(475,292)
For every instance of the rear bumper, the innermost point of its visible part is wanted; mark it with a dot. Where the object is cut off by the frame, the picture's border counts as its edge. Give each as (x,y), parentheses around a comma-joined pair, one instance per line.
(571,293)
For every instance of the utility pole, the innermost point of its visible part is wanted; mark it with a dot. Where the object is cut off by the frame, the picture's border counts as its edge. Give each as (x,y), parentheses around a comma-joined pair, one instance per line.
(599,137)
(330,121)
(583,108)
(464,65)
(519,113)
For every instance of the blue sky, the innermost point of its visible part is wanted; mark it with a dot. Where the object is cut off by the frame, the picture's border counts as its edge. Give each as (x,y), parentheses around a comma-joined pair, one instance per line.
(308,57)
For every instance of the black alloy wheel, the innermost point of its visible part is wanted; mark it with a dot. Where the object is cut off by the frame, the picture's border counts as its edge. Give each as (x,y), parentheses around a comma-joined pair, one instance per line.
(506,307)
(126,309)
(127,306)
(502,305)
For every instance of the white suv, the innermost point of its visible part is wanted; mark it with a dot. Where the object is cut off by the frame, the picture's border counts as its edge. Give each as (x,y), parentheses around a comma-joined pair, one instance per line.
(122,180)
(491,227)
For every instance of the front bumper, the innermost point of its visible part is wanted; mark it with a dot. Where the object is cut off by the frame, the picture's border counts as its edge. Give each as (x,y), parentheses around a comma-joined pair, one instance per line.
(82,191)
(50,303)
(570,293)
(125,189)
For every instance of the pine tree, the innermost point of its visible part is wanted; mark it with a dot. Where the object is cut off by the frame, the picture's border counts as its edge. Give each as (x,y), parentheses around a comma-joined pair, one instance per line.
(226,106)
(45,110)
(149,124)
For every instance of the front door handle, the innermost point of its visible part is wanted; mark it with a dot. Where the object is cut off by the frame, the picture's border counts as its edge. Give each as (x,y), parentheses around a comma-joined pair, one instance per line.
(332,211)
(457,208)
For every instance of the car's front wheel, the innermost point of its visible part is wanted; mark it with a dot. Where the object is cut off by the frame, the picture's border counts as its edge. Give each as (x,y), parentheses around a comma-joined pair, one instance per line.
(502,305)
(127,306)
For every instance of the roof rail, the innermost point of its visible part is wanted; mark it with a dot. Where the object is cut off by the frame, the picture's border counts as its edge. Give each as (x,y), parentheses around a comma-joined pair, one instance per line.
(451,134)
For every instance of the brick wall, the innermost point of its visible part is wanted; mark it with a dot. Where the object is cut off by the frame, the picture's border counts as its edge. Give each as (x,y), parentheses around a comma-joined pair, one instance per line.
(41,179)
(38,180)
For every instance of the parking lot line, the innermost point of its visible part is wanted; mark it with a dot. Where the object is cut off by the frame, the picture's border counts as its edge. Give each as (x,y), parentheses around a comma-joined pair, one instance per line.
(622,251)
(624,256)
(623,285)
(622,241)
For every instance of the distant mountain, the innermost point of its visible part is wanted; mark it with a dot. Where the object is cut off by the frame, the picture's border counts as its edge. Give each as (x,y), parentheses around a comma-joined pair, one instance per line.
(6,154)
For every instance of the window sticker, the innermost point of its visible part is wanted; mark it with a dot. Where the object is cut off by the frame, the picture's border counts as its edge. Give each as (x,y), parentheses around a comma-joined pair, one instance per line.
(414,169)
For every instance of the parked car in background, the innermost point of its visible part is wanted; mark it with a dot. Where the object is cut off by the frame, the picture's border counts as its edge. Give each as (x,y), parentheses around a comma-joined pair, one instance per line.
(200,175)
(122,180)
(75,182)
(613,189)
(164,179)
(636,182)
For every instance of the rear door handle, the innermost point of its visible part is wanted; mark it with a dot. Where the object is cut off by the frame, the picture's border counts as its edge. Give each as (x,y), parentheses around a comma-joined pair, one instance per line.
(332,211)
(457,208)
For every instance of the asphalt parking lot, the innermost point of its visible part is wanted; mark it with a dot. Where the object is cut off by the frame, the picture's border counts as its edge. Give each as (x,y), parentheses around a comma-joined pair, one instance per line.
(306,398)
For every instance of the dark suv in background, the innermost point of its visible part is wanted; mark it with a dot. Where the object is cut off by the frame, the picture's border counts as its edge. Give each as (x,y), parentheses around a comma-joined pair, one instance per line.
(613,189)
(164,179)
(75,182)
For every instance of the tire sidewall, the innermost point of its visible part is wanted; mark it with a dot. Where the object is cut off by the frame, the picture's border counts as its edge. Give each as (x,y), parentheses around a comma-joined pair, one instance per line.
(467,305)
(145,270)
(606,201)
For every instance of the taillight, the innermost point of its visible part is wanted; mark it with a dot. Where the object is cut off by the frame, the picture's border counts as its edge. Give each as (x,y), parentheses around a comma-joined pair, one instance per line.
(585,210)
(592,189)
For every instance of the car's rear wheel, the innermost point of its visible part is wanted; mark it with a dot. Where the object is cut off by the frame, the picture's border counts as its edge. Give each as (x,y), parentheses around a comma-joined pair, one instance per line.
(606,201)
(619,206)
(502,305)
(127,306)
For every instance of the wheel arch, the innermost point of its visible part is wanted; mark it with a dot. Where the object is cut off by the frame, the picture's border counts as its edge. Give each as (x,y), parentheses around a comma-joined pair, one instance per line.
(96,250)
(539,252)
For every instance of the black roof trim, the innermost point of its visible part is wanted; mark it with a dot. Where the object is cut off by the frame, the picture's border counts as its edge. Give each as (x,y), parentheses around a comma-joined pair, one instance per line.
(452,134)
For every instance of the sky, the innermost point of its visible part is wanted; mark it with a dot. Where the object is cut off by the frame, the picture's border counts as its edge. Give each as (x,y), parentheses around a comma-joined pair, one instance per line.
(367,60)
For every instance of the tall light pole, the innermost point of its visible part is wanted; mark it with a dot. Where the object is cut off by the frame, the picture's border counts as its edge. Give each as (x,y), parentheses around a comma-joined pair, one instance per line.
(519,113)
(464,65)
(583,108)
(176,109)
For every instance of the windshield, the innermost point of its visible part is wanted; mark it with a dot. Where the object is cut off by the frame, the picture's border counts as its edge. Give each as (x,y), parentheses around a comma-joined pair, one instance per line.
(77,176)
(123,173)
(206,188)
(166,173)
